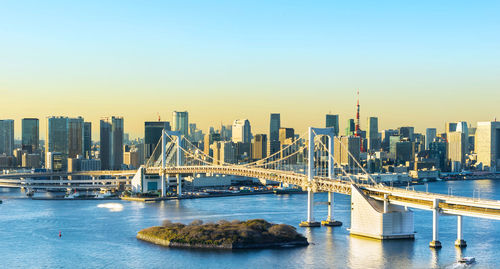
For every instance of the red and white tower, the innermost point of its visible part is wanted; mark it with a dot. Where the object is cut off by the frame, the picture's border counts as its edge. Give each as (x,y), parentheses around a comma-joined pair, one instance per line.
(357,131)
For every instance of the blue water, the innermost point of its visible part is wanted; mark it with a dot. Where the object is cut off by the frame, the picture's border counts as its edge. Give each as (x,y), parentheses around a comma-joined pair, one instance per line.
(101,234)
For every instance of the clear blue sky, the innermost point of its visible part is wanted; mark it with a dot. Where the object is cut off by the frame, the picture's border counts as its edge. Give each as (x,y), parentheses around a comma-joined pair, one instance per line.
(416,63)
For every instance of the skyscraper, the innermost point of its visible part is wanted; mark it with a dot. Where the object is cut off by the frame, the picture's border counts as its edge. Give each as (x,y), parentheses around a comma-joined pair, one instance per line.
(87,140)
(430,135)
(259,147)
(75,137)
(6,137)
(242,131)
(56,139)
(487,145)
(111,148)
(152,135)
(181,122)
(274,127)
(351,127)
(372,134)
(287,135)
(332,121)
(407,132)
(347,150)
(30,134)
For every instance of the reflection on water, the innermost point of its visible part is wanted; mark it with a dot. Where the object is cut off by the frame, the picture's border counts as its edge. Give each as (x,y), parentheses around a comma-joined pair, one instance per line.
(113,207)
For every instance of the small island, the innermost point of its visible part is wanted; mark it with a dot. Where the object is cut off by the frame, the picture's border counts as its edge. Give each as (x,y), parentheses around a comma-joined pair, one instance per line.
(255,233)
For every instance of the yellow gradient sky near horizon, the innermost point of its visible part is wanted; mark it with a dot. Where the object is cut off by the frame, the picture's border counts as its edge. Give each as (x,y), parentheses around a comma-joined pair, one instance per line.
(419,64)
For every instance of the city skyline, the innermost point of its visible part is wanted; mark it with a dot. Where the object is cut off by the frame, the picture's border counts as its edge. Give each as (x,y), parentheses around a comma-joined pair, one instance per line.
(262,128)
(418,65)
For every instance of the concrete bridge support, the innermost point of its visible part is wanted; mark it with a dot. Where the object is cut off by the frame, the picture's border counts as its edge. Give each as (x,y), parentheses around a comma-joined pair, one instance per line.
(330,221)
(163,163)
(435,243)
(460,242)
(379,220)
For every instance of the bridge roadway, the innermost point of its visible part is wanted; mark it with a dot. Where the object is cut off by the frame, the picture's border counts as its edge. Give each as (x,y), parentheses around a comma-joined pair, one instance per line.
(448,204)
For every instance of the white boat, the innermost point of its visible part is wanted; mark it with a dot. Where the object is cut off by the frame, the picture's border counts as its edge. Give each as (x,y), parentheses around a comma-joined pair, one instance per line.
(467,260)
(104,194)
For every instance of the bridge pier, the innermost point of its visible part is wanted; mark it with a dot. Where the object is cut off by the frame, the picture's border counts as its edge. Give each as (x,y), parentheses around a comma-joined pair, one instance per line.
(310,215)
(460,243)
(435,243)
(330,220)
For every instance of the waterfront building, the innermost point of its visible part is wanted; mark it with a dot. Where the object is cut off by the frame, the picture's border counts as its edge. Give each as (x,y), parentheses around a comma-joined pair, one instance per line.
(242,131)
(459,127)
(55,161)
(87,140)
(456,147)
(438,150)
(31,160)
(180,120)
(332,121)
(259,147)
(111,147)
(75,137)
(152,135)
(6,137)
(90,165)
(487,145)
(373,140)
(131,158)
(56,139)
(30,134)
(430,135)
(274,127)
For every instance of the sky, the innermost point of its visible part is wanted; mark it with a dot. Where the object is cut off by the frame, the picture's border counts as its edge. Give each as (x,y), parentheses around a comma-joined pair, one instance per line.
(417,63)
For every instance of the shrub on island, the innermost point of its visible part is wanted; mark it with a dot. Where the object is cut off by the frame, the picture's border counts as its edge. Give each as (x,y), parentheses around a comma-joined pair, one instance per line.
(255,233)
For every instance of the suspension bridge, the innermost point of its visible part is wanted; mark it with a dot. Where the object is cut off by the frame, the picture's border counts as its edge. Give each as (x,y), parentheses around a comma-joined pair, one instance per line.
(377,211)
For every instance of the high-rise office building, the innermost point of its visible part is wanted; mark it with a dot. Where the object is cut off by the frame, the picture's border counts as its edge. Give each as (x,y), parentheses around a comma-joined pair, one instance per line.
(259,146)
(274,128)
(224,152)
(407,132)
(430,135)
(30,134)
(75,137)
(152,135)
(347,150)
(386,135)
(56,139)
(372,134)
(181,122)
(287,136)
(208,140)
(87,140)
(404,151)
(487,145)
(456,147)
(351,127)
(460,127)
(242,131)
(332,121)
(111,148)
(6,137)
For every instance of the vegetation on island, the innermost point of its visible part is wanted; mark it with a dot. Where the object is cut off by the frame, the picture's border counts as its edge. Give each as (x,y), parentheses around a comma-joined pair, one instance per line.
(255,233)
